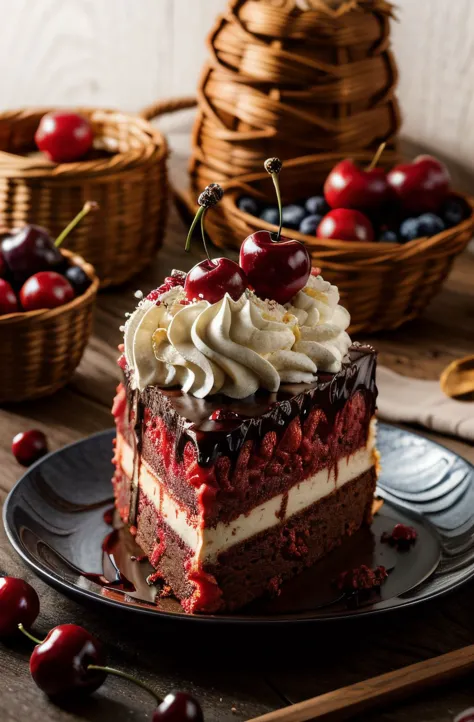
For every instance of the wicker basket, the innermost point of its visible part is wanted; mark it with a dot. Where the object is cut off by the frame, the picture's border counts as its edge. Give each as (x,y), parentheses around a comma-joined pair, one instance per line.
(382,284)
(301,77)
(126,175)
(39,350)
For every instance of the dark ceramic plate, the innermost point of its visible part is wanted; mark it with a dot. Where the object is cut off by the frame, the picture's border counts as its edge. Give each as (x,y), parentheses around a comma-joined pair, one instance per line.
(58,519)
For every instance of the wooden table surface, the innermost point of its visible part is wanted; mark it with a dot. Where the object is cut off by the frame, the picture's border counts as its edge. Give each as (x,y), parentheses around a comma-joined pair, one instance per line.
(236,674)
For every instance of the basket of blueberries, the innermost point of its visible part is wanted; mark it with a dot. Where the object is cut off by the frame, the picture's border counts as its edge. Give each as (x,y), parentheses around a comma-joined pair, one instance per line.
(385,233)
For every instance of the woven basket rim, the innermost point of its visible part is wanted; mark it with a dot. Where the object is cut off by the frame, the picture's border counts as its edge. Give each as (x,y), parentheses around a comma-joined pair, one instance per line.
(12,162)
(45,314)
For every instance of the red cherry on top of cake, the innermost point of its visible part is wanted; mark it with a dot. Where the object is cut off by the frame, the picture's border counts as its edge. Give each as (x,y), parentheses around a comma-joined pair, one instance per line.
(349,185)
(346,224)
(276,267)
(420,186)
(212,278)
(64,136)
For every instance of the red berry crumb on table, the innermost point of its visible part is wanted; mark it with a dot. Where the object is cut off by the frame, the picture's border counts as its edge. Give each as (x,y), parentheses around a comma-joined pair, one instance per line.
(8,299)
(29,446)
(19,604)
(64,136)
(401,536)
(178,707)
(361,579)
(46,289)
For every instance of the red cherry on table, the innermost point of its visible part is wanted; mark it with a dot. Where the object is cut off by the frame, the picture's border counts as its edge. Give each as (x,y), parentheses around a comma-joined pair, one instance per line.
(421,186)
(29,446)
(345,224)
(64,136)
(275,269)
(46,289)
(212,279)
(350,186)
(19,604)
(8,300)
(59,665)
(178,707)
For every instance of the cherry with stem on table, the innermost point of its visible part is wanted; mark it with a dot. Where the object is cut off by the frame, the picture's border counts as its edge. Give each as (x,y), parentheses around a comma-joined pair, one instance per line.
(71,662)
(19,604)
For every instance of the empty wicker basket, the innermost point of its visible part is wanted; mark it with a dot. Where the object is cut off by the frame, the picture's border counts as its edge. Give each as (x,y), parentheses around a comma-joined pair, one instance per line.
(125,174)
(295,78)
(382,284)
(39,350)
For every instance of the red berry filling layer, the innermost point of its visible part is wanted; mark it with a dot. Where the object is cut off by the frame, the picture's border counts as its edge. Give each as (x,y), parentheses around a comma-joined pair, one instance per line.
(263,468)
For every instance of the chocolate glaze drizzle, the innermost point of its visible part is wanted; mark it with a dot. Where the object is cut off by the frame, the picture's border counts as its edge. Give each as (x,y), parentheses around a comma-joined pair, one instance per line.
(189,418)
(137,409)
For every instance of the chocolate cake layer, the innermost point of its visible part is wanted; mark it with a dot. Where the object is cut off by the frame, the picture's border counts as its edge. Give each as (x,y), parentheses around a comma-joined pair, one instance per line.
(261,563)
(259,446)
(189,418)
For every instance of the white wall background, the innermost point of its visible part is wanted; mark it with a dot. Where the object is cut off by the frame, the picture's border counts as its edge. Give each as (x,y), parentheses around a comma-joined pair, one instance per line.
(127,53)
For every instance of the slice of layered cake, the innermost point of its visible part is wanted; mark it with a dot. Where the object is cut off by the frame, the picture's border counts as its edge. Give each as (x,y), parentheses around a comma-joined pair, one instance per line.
(245,436)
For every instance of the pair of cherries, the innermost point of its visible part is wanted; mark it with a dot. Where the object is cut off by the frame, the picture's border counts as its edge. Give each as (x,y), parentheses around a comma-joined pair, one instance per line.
(354,193)
(31,261)
(275,267)
(70,662)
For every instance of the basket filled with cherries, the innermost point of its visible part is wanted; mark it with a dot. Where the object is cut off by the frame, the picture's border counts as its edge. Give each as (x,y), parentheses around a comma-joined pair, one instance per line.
(385,233)
(47,296)
(52,161)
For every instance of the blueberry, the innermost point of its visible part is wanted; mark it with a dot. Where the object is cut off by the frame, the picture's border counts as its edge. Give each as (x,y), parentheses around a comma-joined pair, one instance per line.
(309,224)
(78,279)
(427,224)
(454,211)
(292,216)
(316,205)
(430,224)
(248,205)
(270,214)
(388,236)
(409,229)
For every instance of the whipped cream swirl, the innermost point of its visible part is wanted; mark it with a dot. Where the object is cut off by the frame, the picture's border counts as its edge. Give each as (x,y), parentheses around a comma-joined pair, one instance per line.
(236,347)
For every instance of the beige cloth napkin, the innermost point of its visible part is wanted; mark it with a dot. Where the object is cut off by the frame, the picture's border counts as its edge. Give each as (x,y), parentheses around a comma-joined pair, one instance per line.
(404,399)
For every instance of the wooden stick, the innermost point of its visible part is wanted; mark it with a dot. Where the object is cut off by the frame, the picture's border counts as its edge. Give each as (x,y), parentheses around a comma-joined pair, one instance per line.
(348,701)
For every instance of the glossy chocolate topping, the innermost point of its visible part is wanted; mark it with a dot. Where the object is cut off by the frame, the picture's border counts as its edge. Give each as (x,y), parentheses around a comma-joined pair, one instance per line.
(235,421)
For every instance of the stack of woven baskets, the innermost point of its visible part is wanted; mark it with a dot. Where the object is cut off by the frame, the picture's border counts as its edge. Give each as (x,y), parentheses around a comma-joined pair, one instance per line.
(292,78)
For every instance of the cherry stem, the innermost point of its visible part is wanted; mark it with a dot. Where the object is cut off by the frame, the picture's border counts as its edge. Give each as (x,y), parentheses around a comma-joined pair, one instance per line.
(203,234)
(88,207)
(29,635)
(276,183)
(376,157)
(200,212)
(124,675)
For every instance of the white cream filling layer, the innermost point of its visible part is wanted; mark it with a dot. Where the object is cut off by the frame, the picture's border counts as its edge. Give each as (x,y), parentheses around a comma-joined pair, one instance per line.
(209,542)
